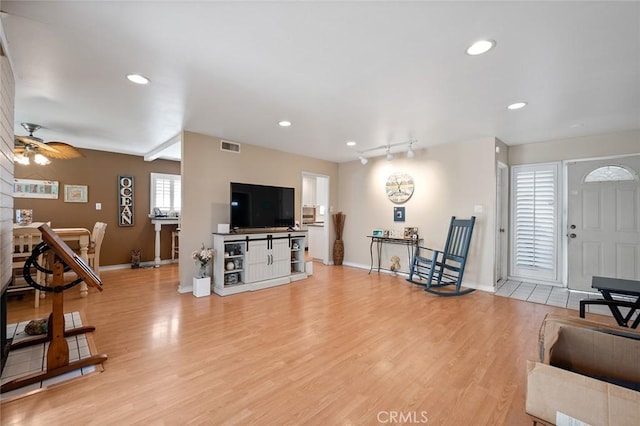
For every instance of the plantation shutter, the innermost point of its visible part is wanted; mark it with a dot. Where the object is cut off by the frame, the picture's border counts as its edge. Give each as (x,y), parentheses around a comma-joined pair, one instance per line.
(166,192)
(535,222)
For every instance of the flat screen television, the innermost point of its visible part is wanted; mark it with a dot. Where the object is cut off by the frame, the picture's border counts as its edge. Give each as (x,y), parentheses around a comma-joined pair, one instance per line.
(261,206)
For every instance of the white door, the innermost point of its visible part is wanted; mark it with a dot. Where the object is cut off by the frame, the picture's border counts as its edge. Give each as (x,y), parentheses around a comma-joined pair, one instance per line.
(603,220)
(502,212)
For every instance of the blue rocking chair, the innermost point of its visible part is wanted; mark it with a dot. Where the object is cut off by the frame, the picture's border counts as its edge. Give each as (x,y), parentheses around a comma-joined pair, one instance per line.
(444,268)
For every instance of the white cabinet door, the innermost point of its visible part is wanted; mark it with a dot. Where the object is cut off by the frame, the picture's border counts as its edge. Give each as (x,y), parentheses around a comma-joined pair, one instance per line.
(280,258)
(263,263)
(316,242)
(308,191)
(256,261)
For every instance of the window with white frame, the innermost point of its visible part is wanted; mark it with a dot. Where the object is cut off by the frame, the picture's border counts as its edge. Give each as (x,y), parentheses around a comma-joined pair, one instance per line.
(536,221)
(610,174)
(166,192)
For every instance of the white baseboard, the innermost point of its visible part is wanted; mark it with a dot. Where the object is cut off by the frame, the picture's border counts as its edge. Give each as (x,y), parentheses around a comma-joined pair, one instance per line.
(149,264)
(487,288)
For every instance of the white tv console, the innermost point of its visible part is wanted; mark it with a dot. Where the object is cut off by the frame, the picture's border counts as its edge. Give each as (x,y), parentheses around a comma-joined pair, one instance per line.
(248,261)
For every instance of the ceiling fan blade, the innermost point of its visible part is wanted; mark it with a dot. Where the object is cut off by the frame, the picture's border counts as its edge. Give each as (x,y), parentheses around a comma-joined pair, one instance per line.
(18,149)
(62,151)
(25,140)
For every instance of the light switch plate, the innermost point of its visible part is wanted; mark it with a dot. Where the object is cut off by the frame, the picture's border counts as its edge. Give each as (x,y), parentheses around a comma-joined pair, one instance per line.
(98,206)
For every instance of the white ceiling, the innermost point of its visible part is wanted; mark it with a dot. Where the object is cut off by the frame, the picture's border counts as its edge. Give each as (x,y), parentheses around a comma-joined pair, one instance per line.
(373,72)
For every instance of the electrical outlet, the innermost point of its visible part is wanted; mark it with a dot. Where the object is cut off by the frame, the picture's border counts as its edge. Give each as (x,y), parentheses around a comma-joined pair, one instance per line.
(98,206)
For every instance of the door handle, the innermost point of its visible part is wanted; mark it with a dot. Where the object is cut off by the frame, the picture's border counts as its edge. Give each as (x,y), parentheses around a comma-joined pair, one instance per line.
(501,229)
(572,235)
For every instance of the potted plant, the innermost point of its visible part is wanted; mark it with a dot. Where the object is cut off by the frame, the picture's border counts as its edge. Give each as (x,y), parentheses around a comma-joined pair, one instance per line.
(338,244)
(202,258)
(202,283)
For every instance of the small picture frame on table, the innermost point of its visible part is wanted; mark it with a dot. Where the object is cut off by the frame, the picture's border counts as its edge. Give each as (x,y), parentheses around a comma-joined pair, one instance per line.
(411,232)
(377,232)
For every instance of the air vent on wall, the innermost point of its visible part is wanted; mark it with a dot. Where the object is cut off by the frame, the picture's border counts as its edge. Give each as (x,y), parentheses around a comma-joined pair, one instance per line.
(230,146)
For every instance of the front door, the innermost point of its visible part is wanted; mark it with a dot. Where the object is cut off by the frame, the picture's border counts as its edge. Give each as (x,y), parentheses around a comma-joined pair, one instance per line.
(603,220)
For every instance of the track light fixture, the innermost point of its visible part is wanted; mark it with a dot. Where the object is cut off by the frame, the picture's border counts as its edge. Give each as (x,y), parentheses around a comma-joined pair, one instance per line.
(387,148)
(410,153)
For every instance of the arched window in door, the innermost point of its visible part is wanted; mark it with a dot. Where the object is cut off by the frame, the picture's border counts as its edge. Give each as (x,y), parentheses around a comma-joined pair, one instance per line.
(610,174)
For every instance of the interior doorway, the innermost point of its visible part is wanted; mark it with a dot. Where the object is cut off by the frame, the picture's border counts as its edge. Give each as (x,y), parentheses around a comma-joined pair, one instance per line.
(603,220)
(502,214)
(316,217)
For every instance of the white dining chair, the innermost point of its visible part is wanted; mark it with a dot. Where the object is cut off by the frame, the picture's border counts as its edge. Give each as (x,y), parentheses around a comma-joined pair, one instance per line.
(24,240)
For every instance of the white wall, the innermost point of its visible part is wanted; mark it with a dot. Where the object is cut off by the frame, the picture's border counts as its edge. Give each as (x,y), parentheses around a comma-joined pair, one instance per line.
(206,173)
(619,143)
(449,181)
(7,95)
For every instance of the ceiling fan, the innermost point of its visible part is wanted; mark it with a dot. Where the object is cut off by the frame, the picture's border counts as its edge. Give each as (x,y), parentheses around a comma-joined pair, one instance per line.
(30,146)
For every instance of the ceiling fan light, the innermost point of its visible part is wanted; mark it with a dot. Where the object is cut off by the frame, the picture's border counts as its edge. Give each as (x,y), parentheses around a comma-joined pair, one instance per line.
(21,159)
(41,159)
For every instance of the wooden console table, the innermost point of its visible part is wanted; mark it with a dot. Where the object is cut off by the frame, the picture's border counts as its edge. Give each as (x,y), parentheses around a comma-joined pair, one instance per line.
(157,226)
(411,244)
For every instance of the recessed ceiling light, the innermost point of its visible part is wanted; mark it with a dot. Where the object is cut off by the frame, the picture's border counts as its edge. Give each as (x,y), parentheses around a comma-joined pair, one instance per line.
(575,125)
(480,47)
(284,123)
(517,105)
(138,79)
(351,143)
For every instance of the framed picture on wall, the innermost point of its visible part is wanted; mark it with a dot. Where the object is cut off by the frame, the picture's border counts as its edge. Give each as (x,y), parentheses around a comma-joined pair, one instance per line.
(398,214)
(31,188)
(76,194)
(125,201)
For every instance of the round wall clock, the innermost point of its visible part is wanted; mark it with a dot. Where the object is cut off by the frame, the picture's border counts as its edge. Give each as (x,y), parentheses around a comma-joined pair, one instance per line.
(399,187)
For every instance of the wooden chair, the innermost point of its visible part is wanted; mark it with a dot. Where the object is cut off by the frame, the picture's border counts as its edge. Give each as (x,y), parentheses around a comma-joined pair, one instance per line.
(93,253)
(446,267)
(175,244)
(24,240)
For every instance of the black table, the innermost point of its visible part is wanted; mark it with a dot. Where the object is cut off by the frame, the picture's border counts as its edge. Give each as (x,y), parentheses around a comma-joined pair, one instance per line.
(610,287)
(411,244)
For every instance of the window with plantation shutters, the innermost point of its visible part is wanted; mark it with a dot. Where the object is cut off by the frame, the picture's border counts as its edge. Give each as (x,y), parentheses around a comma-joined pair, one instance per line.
(535,221)
(166,192)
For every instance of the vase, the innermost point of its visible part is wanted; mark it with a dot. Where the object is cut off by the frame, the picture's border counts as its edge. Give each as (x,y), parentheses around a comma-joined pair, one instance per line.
(338,252)
(203,270)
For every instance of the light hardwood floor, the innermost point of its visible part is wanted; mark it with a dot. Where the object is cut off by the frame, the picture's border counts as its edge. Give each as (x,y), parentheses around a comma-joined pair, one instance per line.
(340,348)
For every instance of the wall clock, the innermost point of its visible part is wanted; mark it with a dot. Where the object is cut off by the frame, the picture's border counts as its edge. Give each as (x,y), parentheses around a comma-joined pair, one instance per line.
(399,187)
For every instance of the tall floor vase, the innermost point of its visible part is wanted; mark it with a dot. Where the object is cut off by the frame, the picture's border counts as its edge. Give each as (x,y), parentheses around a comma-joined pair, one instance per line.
(338,252)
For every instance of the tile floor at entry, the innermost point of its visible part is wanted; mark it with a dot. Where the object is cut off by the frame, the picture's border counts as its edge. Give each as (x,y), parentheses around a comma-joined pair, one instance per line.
(550,295)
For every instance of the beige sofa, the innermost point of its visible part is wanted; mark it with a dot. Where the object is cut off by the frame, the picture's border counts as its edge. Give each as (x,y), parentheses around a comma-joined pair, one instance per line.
(587,371)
